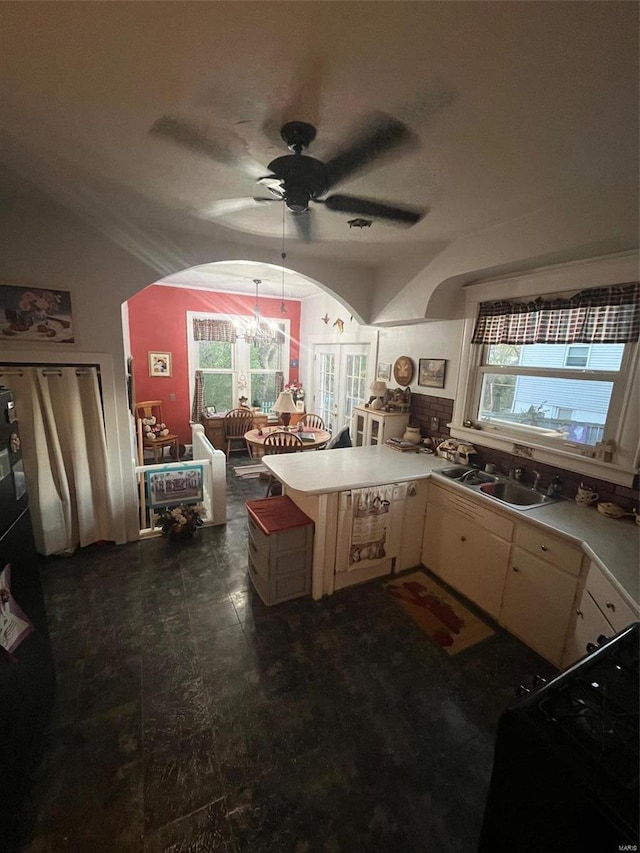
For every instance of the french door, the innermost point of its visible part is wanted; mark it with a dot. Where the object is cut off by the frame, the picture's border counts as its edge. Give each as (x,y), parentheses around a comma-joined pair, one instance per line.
(341,379)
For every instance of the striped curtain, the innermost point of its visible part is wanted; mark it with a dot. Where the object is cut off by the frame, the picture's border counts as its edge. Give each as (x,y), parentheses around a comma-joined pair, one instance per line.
(198,398)
(606,315)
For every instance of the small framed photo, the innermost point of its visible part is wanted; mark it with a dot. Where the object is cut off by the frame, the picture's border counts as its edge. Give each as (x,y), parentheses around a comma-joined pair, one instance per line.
(384,371)
(300,405)
(171,486)
(431,372)
(159,364)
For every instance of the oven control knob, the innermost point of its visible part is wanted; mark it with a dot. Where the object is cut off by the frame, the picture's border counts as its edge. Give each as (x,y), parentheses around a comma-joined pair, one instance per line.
(591,647)
(539,680)
(522,690)
(602,639)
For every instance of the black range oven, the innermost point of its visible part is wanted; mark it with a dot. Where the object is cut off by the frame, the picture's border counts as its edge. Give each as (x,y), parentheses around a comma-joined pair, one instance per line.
(565,772)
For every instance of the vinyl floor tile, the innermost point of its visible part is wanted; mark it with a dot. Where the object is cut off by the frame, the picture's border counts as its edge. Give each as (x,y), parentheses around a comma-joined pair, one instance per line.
(191,718)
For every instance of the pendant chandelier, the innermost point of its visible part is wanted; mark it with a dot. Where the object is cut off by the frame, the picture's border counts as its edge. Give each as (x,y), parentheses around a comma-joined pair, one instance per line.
(257,332)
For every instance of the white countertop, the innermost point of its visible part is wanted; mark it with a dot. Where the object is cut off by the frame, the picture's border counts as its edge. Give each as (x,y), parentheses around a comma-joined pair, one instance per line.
(323,471)
(612,543)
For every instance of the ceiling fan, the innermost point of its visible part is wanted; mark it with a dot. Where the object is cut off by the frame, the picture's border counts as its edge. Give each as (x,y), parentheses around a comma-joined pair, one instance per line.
(298,180)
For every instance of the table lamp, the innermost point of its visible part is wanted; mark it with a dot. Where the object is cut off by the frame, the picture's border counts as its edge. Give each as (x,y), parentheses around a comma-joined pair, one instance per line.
(378,389)
(285,406)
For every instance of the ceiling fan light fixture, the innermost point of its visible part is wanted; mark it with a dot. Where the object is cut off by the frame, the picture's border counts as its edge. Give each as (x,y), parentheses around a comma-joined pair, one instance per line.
(297,199)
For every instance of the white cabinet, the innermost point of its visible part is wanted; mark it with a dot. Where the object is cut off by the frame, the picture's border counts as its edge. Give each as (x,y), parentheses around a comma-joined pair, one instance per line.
(540,589)
(373,426)
(601,611)
(537,603)
(467,546)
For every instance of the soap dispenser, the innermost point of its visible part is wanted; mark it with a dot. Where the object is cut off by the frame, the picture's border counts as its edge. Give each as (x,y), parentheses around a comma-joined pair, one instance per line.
(555,488)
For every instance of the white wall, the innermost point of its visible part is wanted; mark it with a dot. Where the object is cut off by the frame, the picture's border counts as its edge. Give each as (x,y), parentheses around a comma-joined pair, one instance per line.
(423,340)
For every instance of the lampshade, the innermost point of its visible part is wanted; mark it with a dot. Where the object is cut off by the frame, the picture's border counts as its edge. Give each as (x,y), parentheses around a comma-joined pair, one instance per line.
(285,403)
(378,388)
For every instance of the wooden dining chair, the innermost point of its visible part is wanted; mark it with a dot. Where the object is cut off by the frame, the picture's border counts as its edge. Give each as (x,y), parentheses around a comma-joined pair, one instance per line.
(281,441)
(312,421)
(236,423)
(153,409)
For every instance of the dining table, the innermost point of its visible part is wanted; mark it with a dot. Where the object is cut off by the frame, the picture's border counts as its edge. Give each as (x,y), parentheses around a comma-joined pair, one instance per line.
(312,439)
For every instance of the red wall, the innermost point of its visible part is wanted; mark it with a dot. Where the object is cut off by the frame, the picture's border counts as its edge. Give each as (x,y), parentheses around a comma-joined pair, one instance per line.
(157,323)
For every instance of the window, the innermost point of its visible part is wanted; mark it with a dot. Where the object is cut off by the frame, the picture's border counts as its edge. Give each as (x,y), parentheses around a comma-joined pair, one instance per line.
(527,387)
(239,367)
(523,386)
(577,356)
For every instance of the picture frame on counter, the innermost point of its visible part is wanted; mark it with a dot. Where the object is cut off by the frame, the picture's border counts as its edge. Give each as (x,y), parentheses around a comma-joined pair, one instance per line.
(431,372)
(159,364)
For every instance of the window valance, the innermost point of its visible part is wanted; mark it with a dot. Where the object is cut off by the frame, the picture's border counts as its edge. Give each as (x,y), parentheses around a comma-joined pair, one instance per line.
(605,315)
(214,330)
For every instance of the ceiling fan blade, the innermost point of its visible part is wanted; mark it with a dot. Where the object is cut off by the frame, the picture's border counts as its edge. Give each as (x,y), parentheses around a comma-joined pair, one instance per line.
(304,225)
(381,135)
(197,139)
(225,206)
(374,209)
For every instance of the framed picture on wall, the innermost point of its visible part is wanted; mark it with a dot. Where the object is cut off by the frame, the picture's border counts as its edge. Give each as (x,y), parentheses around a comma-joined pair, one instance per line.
(35,315)
(384,371)
(431,372)
(159,364)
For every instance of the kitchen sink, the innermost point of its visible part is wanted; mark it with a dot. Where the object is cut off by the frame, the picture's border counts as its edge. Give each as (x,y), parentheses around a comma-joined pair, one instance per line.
(515,494)
(456,472)
(509,492)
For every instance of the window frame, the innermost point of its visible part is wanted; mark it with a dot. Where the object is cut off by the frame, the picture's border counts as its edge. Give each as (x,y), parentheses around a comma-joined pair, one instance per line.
(623,419)
(240,348)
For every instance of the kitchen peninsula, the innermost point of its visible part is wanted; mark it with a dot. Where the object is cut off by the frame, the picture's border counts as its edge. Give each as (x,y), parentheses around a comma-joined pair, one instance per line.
(320,483)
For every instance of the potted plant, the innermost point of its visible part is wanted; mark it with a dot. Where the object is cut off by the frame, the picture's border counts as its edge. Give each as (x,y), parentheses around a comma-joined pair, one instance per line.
(182,520)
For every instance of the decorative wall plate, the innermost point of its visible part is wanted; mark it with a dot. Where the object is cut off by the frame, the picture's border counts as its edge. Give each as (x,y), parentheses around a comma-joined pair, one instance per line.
(403,370)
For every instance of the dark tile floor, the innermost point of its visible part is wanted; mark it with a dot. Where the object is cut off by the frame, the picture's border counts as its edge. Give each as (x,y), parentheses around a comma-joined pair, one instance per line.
(190,717)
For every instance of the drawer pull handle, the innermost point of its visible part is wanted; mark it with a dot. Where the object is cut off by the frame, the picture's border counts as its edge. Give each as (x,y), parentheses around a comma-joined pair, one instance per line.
(543,548)
(580,614)
(515,569)
(463,538)
(611,606)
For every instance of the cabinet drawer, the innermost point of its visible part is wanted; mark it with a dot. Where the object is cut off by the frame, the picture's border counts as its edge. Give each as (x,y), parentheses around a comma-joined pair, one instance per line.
(472,509)
(615,609)
(257,538)
(559,552)
(259,559)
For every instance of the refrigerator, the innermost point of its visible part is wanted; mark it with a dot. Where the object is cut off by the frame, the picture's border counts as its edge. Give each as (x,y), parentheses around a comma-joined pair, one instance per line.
(27,674)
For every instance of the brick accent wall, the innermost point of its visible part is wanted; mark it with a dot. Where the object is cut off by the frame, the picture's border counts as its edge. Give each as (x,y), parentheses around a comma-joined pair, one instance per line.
(424,408)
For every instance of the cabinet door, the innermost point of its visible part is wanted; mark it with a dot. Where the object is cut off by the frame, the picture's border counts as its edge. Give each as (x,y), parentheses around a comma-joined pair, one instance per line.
(537,604)
(589,625)
(435,525)
(359,424)
(467,557)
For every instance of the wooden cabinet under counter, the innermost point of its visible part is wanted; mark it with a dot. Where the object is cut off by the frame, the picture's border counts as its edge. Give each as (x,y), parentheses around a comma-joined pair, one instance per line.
(467,545)
(602,611)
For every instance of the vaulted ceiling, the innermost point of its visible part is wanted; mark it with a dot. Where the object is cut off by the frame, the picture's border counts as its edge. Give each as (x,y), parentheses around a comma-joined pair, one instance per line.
(525,115)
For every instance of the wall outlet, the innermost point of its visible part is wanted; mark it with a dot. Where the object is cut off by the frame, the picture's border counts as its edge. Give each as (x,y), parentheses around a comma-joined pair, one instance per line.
(522,450)
(172,397)
(434,423)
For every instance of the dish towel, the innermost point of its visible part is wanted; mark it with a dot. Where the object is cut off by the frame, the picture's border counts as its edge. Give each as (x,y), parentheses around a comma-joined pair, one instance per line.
(369,526)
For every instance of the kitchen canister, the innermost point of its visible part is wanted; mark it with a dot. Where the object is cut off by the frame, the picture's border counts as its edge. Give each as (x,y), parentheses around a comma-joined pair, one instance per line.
(412,434)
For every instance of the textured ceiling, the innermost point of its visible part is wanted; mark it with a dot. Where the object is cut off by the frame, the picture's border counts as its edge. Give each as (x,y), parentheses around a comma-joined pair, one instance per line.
(516,105)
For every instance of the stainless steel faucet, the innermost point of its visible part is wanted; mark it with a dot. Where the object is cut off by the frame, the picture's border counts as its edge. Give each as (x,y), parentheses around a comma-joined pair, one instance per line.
(536,480)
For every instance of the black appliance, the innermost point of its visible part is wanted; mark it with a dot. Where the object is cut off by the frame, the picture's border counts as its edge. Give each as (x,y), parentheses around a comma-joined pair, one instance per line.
(27,674)
(565,771)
